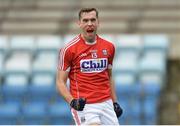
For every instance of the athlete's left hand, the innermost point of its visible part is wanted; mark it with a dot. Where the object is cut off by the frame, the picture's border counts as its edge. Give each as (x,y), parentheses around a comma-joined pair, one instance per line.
(118,110)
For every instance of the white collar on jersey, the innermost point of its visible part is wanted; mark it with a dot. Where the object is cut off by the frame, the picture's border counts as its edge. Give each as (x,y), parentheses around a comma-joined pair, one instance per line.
(90,43)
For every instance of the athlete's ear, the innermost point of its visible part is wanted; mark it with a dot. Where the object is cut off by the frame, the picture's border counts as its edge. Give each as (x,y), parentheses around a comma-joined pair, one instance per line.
(78,23)
(98,22)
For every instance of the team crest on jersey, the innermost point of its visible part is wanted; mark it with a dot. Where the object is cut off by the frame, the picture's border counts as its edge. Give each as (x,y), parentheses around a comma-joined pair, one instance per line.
(104,51)
(93,65)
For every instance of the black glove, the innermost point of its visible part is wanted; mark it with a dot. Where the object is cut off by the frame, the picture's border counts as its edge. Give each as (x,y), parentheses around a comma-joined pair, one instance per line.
(78,104)
(118,110)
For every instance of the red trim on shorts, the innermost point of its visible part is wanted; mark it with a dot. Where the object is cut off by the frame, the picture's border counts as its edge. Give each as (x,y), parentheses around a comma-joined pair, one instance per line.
(76,117)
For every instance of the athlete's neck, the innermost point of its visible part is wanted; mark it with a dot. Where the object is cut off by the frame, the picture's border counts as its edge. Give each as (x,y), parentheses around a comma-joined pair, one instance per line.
(89,41)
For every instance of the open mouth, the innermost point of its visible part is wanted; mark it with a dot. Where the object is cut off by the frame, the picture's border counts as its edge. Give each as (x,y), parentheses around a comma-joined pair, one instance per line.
(90,30)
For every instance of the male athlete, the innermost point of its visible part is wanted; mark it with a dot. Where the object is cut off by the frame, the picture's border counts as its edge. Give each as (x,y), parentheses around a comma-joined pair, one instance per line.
(87,62)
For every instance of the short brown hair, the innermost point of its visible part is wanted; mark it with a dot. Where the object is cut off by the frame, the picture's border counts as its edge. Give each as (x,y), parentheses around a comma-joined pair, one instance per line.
(86,10)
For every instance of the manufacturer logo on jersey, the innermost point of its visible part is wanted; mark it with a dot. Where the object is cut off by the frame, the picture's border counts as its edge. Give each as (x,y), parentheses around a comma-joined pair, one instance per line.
(83,54)
(93,65)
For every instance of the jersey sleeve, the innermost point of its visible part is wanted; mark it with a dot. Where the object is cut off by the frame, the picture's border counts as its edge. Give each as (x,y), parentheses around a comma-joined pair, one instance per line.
(64,61)
(112,53)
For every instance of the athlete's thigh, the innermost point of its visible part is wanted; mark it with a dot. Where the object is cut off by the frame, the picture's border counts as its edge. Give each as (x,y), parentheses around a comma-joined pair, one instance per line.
(109,116)
(90,115)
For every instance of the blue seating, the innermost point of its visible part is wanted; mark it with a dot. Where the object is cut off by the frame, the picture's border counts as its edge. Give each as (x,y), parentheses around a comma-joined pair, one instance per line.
(1,65)
(16,77)
(129,98)
(134,121)
(109,37)
(23,43)
(123,78)
(153,62)
(123,120)
(34,113)
(14,93)
(151,89)
(57,97)
(41,93)
(42,87)
(127,46)
(125,69)
(156,41)
(128,89)
(151,120)
(123,88)
(9,114)
(136,109)
(150,107)
(128,119)
(14,88)
(129,42)
(49,43)
(156,46)
(1,95)
(4,44)
(150,103)
(59,114)
(124,64)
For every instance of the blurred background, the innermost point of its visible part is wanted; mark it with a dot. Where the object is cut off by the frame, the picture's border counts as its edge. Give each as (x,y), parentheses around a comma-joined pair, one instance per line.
(146,66)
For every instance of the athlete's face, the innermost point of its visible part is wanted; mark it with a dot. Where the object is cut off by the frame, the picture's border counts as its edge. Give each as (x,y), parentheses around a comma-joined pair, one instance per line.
(89,23)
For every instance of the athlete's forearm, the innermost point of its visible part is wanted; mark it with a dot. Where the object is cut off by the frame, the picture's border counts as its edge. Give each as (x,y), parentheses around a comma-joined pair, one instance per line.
(112,86)
(64,92)
(61,80)
(113,92)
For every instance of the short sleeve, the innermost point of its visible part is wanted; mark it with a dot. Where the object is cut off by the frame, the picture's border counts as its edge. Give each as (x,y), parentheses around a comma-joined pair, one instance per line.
(64,60)
(111,57)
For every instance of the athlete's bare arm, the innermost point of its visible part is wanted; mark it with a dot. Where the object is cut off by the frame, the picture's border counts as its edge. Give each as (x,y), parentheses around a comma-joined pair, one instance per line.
(61,80)
(112,86)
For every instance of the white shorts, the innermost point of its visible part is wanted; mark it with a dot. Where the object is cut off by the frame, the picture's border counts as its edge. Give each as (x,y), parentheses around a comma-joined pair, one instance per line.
(99,113)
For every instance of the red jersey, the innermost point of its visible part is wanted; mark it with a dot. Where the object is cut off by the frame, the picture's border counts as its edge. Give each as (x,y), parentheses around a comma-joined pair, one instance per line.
(88,66)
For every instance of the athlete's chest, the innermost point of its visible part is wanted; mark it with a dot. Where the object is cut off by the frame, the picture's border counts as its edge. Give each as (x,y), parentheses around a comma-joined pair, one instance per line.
(90,59)
(91,52)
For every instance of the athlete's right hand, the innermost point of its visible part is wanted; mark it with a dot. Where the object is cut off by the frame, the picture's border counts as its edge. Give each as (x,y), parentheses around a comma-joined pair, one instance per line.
(78,104)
